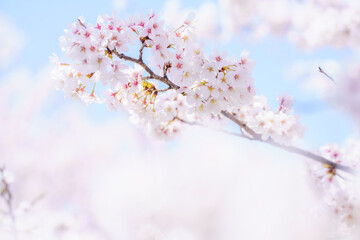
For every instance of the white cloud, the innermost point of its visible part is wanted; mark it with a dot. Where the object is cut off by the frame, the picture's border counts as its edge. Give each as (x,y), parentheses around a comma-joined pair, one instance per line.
(12,41)
(120,4)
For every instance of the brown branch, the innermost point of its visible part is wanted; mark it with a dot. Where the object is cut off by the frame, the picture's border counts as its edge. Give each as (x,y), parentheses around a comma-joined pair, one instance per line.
(231,116)
(152,75)
(292,149)
(257,137)
(311,155)
(163,90)
(242,125)
(165,68)
(146,78)
(141,50)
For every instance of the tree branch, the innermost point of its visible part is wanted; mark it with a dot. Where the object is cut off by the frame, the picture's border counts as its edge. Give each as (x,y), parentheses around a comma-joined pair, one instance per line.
(188,122)
(243,127)
(163,90)
(165,68)
(152,75)
(142,49)
(256,137)
(292,149)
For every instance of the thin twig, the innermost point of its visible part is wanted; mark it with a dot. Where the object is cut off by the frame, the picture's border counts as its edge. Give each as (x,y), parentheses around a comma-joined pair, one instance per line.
(6,194)
(164,90)
(165,68)
(141,50)
(81,23)
(323,72)
(242,125)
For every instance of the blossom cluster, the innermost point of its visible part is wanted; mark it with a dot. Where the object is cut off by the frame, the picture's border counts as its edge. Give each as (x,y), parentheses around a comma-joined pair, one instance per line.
(317,23)
(281,125)
(197,84)
(201,192)
(336,188)
(346,93)
(184,84)
(309,23)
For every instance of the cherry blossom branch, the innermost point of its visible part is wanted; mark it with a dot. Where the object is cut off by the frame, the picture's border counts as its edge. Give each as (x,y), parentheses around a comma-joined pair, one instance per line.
(242,125)
(292,149)
(256,137)
(140,62)
(214,63)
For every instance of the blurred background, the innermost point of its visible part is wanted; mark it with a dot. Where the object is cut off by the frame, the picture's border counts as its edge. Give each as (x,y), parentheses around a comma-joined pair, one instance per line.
(88,173)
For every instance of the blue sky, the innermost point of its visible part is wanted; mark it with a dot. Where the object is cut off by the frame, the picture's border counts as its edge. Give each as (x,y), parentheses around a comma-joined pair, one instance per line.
(44,21)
